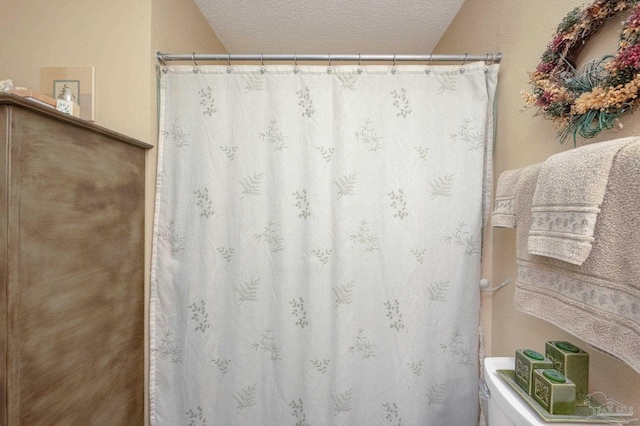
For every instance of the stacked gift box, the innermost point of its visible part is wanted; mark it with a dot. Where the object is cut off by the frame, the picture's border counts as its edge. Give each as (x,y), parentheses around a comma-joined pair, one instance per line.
(557,380)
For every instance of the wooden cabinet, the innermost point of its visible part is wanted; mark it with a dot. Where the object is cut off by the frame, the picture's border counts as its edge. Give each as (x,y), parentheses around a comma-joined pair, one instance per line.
(71,270)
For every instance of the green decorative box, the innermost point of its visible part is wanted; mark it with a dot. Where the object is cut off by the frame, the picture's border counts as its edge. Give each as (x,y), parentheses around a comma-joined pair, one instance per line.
(554,391)
(573,363)
(528,360)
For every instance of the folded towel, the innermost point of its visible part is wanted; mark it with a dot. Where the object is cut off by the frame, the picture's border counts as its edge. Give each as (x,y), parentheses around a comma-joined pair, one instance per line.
(598,301)
(567,200)
(504,208)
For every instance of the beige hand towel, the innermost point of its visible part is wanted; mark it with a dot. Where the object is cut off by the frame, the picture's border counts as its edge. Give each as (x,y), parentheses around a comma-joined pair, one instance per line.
(504,208)
(567,200)
(599,301)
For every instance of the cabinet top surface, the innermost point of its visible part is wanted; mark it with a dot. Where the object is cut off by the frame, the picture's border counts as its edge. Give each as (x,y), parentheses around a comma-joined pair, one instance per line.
(8,99)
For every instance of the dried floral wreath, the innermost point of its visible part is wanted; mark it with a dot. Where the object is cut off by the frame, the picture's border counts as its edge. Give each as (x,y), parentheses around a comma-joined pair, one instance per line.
(588,100)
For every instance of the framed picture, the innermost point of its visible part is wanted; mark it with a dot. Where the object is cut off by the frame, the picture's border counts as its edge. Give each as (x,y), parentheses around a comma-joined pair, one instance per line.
(66,89)
(76,83)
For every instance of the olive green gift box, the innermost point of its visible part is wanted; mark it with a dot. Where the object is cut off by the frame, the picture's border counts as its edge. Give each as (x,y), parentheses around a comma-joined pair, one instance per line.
(573,363)
(554,392)
(528,360)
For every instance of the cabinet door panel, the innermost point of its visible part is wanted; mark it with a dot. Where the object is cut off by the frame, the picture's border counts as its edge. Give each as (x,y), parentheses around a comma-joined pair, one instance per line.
(76,325)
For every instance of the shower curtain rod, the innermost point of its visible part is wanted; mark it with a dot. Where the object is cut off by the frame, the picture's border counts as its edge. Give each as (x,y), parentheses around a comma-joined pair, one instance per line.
(228,57)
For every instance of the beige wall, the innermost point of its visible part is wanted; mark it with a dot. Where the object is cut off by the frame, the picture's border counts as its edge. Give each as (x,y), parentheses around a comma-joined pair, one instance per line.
(521,29)
(118,38)
(111,36)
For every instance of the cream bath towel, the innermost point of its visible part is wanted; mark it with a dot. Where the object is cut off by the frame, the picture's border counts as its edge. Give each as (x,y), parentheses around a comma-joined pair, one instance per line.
(567,200)
(599,301)
(504,207)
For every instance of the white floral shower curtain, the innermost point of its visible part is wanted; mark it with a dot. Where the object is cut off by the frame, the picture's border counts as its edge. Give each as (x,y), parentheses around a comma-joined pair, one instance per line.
(317,244)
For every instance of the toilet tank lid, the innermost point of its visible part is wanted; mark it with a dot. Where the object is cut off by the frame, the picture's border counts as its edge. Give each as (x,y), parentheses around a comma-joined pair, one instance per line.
(506,398)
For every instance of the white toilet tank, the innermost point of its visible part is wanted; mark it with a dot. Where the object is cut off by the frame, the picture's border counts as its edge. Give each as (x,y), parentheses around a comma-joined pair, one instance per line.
(505,407)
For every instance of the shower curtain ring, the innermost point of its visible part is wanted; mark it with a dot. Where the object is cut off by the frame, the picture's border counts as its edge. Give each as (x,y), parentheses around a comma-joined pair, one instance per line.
(262,70)
(488,62)
(359,63)
(295,62)
(466,55)
(393,70)
(193,57)
(160,58)
(428,70)
(329,69)
(229,63)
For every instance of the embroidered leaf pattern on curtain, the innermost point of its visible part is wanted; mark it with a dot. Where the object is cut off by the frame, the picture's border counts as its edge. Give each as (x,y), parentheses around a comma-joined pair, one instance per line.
(317,244)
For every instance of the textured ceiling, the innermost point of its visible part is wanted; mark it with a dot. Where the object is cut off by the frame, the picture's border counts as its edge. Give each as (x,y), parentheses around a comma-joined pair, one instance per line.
(329,26)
